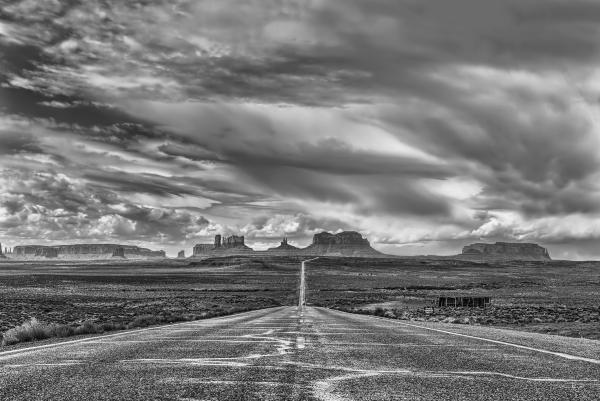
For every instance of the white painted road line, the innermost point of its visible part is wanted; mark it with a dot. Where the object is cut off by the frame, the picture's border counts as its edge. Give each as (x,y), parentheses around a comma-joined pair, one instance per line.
(544,351)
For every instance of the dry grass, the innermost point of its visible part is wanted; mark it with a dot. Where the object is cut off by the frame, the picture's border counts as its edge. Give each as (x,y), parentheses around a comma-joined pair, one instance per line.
(558,297)
(34,329)
(99,297)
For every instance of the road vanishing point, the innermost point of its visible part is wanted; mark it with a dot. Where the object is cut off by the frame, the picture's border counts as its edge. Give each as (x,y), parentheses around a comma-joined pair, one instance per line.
(305,353)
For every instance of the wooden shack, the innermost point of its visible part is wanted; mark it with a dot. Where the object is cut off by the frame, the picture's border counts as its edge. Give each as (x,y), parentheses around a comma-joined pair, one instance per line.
(469,302)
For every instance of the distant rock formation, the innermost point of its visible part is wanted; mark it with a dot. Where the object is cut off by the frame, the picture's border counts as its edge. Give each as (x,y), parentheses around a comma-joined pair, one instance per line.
(344,238)
(203,249)
(2,254)
(46,252)
(504,251)
(231,245)
(181,255)
(83,251)
(234,241)
(346,243)
(284,248)
(284,245)
(119,252)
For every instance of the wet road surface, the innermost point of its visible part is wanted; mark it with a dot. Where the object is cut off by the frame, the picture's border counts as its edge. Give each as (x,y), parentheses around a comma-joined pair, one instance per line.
(316,354)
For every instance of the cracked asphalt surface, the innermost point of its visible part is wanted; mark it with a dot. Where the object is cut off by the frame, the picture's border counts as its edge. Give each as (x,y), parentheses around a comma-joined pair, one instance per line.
(287,353)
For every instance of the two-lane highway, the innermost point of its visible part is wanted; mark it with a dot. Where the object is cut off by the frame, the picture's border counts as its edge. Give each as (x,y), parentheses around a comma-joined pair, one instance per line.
(281,354)
(302,290)
(305,353)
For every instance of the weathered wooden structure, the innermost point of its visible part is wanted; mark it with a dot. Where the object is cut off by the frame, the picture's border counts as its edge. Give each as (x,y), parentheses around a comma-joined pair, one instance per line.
(469,302)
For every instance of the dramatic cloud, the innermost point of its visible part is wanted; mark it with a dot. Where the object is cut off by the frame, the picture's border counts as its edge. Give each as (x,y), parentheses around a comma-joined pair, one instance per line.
(424,125)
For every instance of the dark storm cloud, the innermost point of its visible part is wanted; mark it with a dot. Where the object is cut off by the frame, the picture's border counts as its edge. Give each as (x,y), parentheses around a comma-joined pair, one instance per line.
(61,109)
(138,183)
(333,156)
(319,53)
(12,142)
(534,154)
(390,49)
(21,57)
(366,195)
(253,139)
(329,171)
(189,151)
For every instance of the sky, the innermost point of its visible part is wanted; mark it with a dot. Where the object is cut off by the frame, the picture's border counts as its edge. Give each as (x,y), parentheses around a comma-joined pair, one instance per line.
(424,125)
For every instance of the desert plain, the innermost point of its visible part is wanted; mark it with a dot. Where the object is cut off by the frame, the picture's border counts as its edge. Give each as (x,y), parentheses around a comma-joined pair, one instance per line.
(551,297)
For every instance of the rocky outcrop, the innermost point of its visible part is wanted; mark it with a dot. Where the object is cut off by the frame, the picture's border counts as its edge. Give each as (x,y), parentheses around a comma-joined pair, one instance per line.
(203,249)
(1,254)
(232,245)
(351,238)
(181,255)
(346,243)
(46,252)
(119,252)
(285,246)
(84,251)
(234,241)
(504,251)
(284,249)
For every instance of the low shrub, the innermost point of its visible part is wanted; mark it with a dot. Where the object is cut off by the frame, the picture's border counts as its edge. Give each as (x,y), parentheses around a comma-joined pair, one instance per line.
(88,327)
(34,329)
(60,330)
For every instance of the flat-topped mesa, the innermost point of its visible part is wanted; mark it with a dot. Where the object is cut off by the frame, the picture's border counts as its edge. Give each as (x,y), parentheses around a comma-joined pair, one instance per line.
(343,238)
(181,255)
(84,251)
(1,254)
(231,245)
(504,251)
(346,243)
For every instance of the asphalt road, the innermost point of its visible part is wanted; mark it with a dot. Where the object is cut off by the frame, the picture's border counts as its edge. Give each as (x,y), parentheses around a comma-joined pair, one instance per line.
(281,354)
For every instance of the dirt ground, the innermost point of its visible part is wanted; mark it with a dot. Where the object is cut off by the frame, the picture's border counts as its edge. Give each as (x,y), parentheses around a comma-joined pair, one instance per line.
(72,293)
(557,297)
